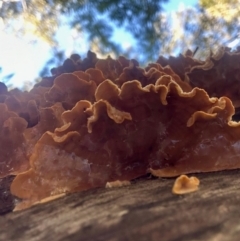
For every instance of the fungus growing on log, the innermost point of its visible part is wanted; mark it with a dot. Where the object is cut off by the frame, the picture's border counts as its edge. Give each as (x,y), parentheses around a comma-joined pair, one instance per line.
(129,131)
(116,121)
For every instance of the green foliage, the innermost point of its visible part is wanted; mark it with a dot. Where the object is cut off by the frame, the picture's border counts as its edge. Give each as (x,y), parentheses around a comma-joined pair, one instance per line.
(98,19)
(37,19)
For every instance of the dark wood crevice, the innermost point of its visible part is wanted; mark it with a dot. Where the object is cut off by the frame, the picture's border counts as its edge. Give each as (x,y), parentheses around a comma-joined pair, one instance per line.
(6,199)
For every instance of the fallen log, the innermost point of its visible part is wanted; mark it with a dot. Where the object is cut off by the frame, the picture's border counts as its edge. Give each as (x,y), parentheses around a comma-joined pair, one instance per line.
(145,210)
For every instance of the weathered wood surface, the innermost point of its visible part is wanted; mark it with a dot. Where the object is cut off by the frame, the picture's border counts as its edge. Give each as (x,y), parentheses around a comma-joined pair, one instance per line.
(146,210)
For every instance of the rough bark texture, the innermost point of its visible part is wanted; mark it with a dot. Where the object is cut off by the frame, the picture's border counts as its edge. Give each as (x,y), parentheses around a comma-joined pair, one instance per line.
(146,210)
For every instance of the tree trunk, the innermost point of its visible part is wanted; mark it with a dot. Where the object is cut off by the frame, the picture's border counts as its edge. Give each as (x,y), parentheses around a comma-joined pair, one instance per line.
(146,210)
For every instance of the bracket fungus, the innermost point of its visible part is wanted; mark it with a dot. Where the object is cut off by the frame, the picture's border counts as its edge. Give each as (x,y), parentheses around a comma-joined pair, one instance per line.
(115,121)
(219,76)
(13,158)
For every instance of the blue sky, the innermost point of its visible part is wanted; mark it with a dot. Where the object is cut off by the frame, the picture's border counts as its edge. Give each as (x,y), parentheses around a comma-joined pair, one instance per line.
(26,60)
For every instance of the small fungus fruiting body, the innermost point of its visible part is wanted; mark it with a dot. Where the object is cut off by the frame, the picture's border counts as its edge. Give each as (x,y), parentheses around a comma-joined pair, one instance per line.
(185,184)
(98,121)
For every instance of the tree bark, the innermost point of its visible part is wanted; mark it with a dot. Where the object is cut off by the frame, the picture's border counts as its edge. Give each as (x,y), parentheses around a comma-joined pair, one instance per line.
(146,210)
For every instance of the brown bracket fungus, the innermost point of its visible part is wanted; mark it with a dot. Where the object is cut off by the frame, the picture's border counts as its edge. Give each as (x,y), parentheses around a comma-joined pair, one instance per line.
(128,131)
(112,120)
(70,88)
(219,75)
(13,158)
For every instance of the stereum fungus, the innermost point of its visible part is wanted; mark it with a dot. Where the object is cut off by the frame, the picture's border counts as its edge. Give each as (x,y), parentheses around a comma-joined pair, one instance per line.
(115,121)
